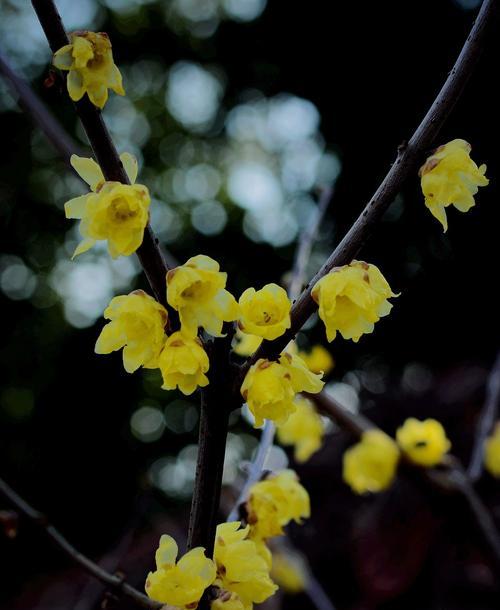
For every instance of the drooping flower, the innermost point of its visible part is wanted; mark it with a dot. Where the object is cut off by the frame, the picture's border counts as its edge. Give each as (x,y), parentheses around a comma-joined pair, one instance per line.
(450,177)
(241,569)
(244,344)
(289,571)
(91,69)
(492,453)
(137,323)
(197,291)
(183,583)
(183,363)
(370,465)
(318,360)
(274,502)
(112,211)
(351,299)
(304,429)
(301,378)
(423,442)
(265,312)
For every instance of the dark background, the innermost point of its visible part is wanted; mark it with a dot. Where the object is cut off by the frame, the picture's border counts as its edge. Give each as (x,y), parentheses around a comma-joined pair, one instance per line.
(372,70)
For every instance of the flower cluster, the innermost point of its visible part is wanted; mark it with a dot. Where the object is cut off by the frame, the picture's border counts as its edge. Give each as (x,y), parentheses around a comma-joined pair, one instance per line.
(269,388)
(370,465)
(88,59)
(351,299)
(450,177)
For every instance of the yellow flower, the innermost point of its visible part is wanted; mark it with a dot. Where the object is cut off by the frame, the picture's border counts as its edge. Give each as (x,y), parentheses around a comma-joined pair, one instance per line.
(289,571)
(351,299)
(450,177)
(183,363)
(113,211)
(245,345)
(492,453)
(304,429)
(423,442)
(181,584)
(265,312)
(89,60)
(274,502)
(226,600)
(301,378)
(197,291)
(138,325)
(370,465)
(318,360)
(240,567)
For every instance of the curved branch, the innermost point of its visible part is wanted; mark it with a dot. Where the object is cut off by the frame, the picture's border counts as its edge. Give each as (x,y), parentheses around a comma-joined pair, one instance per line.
(149,253)
(114,582)
(407,161)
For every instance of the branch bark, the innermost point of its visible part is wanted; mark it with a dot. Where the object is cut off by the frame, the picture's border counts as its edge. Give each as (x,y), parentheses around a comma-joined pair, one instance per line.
(116,583)
(150,254)
(407,161)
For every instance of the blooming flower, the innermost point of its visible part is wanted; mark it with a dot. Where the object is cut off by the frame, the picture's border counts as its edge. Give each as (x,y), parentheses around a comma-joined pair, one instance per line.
(265,312)
(240,567)
(289,571)
(492,453)
(226,600)
(370,465)
(351,299)
(274,502)
(89,60)
(304,429)
(450,177)
(301,378)
(246,345)
(138,325)
(181,584)
(423,442)
(113,211)
(318,360)
(197,291)
(183,363)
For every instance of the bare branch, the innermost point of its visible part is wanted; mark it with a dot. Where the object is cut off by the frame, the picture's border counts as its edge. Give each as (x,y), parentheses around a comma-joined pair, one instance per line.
(406,164)
(489,414)
(149,253)
(114,582)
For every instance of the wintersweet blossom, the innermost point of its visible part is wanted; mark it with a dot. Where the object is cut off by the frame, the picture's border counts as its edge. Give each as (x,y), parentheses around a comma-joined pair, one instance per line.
(450,177)
(183,363)
(112,211)
(318,360)
(265,312)
(370,465)
(289,571)
(423,442)
(197,291)
(183,583)
(226,600)
(274,502)
(351,299)
(137,323)
(245,344)
(492,453)
(241,569)
(304,429)
(301,378)
(91,69)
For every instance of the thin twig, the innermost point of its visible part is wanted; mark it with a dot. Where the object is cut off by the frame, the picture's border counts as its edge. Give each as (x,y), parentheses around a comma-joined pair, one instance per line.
(306,242)
(114,582)
(489,414)
(149,253)
(42,118)
(407,161)
(318,596)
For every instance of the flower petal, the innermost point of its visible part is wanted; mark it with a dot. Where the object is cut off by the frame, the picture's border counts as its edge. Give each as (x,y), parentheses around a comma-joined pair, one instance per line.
(75,85)
(75,208)
(130,166)
(88,170)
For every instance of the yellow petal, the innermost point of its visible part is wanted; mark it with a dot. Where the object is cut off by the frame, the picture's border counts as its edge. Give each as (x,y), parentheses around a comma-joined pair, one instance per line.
(63,58)
(83,246)
(130,166)
(88,170)
(75,85)
(98,95)
(75,208)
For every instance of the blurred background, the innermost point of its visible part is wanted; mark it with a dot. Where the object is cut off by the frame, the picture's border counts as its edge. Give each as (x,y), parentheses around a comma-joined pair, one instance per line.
(239,111)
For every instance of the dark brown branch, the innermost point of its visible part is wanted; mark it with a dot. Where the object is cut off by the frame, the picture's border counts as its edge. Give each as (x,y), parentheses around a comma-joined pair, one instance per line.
(149,253)
(116,583)
(486,421)
(34,107)
(408,159)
